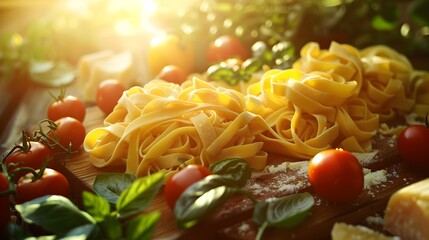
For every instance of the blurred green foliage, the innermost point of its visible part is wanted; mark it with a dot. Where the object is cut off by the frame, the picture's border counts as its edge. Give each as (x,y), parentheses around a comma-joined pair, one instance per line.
(401,24)
(66,35)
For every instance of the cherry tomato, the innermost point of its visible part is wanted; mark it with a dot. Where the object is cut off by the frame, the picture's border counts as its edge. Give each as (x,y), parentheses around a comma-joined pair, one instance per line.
(69,133)
(68,106)
(32,157)
(108,93)
(226,47)
(412,145)
(181,180)
(336,175)
(51,183)
(173,74)
(4,203)
(169,49)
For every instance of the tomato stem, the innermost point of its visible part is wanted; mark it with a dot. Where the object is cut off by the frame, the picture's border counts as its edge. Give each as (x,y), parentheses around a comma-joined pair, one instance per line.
(24,147)
(60,96)
(45,138)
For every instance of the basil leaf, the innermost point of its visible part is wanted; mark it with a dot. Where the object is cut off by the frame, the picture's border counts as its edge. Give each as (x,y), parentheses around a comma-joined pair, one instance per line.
(252,65)
(55,214)
(111,185)
(83,232)
(139,195)
(220,72)
(202,198)
(111,227)
(15,231)
(96,206)
(236,170)
(142,227)
(285,212)
(53,74)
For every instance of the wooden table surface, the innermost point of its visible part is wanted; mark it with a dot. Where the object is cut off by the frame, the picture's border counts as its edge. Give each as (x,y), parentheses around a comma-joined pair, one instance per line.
(31,108)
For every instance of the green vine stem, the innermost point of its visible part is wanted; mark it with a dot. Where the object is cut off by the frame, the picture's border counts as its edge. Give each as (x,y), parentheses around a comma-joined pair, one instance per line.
(47,139)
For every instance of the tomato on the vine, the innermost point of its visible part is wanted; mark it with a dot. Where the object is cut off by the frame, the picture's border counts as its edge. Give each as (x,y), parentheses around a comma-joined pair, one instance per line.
(67,106)
(69,133)
(226,47)
(412,145)
(4,203)
(51,182)
(170,49)
(336,175)
(173,74)
(108,93)
(33,155)
(181,180)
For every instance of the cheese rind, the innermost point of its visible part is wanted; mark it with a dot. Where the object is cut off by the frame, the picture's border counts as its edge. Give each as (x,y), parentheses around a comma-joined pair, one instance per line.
(343,231)
(407,213)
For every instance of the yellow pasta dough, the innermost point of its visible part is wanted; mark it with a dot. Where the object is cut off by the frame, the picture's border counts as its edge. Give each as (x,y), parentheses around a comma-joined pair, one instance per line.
(330,98)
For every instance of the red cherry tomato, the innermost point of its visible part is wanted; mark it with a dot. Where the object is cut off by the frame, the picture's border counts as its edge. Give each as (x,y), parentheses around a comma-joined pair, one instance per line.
(412,145)
(108,93)
(51,183)
(226,47)
(336,175)
(173,74)
(4,203)
(69,133)
(68,106)
(32,157)
(181,180)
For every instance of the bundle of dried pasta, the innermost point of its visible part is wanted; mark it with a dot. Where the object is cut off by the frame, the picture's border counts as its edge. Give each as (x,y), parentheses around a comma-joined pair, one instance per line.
(161,126)
(310,112)
(387,81)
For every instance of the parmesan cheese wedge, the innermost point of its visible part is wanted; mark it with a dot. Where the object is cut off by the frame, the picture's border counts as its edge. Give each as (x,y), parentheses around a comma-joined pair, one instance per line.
(343,231)
(407,213)
(97,67)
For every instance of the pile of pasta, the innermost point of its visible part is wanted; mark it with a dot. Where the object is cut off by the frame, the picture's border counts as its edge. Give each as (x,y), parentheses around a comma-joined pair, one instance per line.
(335,97)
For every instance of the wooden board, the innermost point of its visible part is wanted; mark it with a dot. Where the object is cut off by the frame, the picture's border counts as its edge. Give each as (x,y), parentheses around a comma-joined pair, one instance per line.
(228,222)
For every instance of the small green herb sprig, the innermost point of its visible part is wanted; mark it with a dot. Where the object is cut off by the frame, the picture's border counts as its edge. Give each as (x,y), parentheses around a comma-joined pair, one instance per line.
(229,176)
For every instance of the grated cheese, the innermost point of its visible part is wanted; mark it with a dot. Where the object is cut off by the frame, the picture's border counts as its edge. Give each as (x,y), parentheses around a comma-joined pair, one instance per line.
(375,178)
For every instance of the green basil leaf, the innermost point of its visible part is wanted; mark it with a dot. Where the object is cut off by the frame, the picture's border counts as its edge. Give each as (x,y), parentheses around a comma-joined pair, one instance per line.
(260,212)
(84,232)
(220,73)
(15,231)
(139,195)
(53,74)
(252,65)
(55,214)
(236,170)
(283,48)
(111,185)
(382,24)
(96,206)
(202,198)
(111,227)
(285,212)
(418,12)
(143,226)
